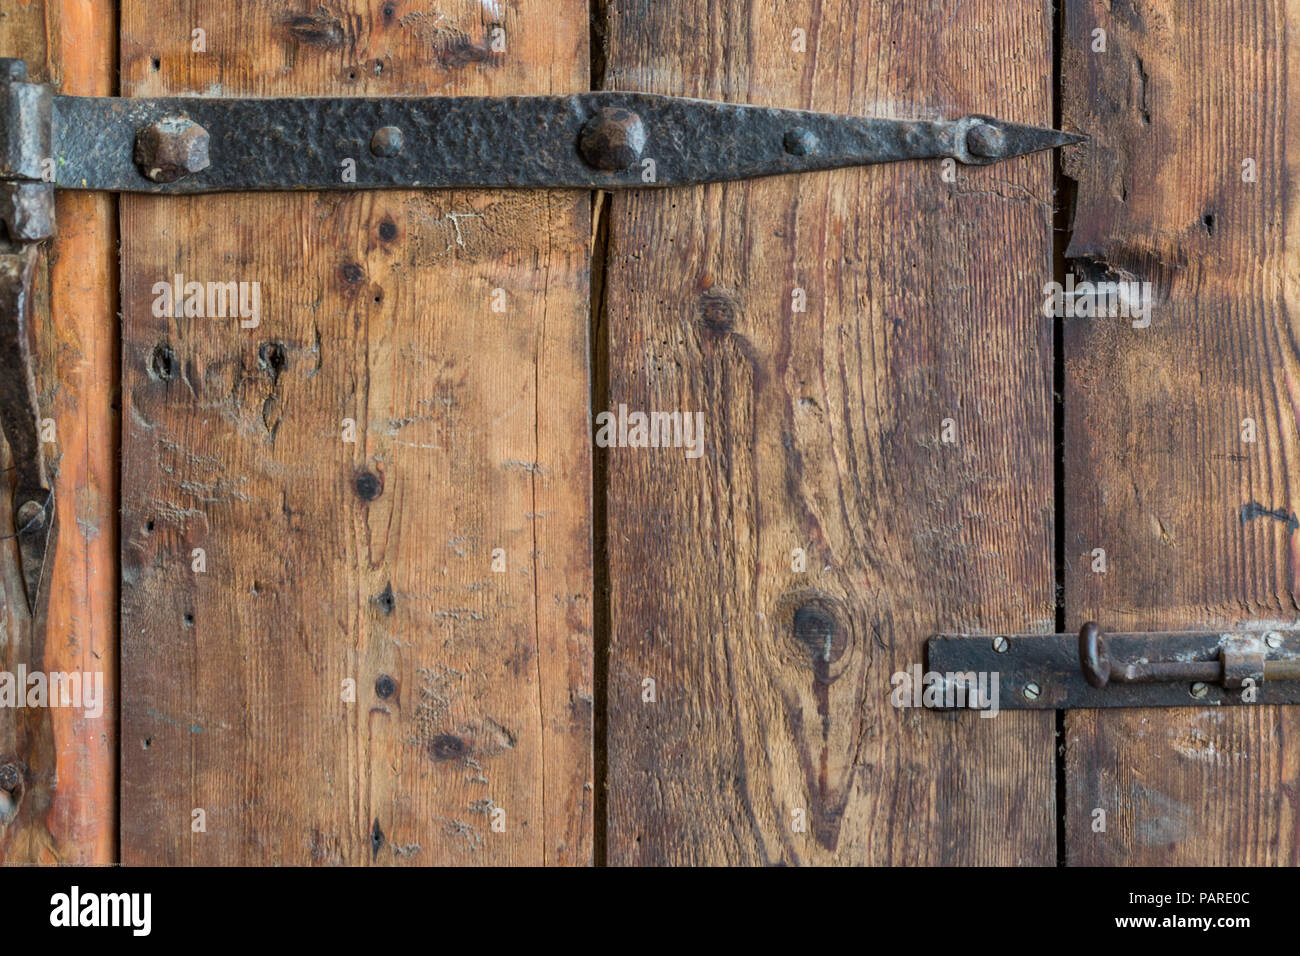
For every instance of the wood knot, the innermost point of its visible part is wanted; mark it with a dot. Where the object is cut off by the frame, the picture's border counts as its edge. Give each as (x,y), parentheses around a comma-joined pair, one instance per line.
(717,311)
(317,29)
(384,600)
(162,363)
(369,486)
(447,747)
(816,629)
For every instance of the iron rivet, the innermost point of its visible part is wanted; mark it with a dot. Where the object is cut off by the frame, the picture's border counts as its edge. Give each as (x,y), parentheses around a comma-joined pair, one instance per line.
(385,687)
(171,148)
(1000,644)
(985,140)
(1032,691)
(30,515)
(1199,690)
(387,141)
(1273,639)
(801,142)
(613,139)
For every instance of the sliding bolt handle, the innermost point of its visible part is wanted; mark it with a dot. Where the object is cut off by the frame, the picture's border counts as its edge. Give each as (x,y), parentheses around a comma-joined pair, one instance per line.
(1094,660)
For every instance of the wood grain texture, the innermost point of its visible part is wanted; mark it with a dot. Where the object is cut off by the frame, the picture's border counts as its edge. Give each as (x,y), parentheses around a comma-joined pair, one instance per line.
(823,432)
(65,810)
(1198,525)
(371,561)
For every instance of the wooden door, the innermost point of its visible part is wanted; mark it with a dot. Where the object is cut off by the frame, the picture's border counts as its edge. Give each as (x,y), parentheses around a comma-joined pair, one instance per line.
(366,591)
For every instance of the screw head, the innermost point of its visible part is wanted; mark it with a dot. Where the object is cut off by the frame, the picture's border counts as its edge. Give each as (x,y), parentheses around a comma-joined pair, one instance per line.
(985,139)
(1199,690)
(171,148)
(386,142)
(1032,691)
(1273,639)
(800,142)
(613,139)
(1001,644)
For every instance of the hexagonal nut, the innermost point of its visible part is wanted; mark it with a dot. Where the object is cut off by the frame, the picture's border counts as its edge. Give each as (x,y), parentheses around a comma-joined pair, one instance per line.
(171,148)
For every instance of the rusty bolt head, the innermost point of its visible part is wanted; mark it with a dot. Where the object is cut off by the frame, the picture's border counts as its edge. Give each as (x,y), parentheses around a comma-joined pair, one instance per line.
(612,139)
(800,142)
(986,140)
(10,777)
(171,148)
(387,141)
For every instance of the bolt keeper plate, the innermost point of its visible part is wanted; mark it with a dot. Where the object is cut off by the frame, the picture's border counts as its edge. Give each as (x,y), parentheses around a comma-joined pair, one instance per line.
(1052,662)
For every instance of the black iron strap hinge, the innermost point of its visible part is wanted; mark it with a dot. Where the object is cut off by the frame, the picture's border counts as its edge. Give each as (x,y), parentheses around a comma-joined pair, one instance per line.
(1095,669)
(603,140)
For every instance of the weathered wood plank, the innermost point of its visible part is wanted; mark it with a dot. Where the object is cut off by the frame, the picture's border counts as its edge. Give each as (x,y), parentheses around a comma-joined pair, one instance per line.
(1196,523)
(328,560)
(823,432)
(65,808)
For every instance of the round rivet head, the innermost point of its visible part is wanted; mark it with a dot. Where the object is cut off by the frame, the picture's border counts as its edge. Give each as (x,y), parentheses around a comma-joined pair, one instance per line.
(800,142)
(613,139)
(986,140)
(30,515)
(387,141)
(171,148)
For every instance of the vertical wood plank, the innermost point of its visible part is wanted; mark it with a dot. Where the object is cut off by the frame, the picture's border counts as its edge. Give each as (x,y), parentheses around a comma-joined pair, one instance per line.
(823,432)
(370,560)
(1197,523)
(64,810)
